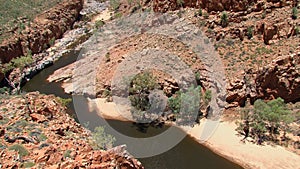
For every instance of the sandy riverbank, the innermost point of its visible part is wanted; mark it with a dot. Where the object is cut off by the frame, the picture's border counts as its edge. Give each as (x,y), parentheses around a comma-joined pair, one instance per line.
(225,142)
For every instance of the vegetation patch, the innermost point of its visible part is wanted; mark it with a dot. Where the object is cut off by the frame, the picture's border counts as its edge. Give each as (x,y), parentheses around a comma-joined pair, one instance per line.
(22,151)
(28,164)
(265,120)
(102,140)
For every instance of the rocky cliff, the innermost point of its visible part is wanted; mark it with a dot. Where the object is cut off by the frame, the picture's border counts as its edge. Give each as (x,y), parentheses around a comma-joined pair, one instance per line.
(41,33)
(215,5)
(37,132)
(278,79)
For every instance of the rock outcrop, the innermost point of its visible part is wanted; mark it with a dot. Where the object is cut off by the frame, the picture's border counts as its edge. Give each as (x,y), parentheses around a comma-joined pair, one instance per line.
(216,5)
(281,78)
(37,132)
(46,27)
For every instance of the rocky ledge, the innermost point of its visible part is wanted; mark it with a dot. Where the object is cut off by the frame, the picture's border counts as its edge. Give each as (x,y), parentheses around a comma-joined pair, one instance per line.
(37,132)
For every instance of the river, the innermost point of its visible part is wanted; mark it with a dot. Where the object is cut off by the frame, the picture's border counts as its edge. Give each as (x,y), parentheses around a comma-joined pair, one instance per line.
(188,154)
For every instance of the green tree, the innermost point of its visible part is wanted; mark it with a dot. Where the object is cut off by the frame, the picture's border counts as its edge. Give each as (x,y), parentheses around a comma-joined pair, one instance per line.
(186,105)
(268,117)
(141,86)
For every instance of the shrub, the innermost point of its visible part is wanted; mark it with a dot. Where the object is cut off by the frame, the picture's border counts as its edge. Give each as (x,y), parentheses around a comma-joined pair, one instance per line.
(67,154)
(64,102)
(4,90)
(20,149)
(42,137)
(207,96)
(101,139)
(107,57)
(200,12)
(19,62)
(263,15)
(205,15)
(52,41)
(224,19)
(99,24)
(297,30)
(180,2)
(174,102)
(294,13)
(186,104)
(28,164)
(43,145)
(267,118)
(114,4)
(2,146)
(249,32)
(141,86)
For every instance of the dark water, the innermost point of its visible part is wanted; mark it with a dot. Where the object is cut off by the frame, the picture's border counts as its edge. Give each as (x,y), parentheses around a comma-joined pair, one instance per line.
(188,154)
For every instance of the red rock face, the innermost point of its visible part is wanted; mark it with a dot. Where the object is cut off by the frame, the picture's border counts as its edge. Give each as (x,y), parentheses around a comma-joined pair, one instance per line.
(215,5)
(280,79)
(46,26)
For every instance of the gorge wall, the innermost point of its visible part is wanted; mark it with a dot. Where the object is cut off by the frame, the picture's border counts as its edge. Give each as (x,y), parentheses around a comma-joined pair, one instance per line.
(45,28)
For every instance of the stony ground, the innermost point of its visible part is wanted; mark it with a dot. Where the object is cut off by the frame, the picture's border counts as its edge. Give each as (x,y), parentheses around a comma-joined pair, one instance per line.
(37,132)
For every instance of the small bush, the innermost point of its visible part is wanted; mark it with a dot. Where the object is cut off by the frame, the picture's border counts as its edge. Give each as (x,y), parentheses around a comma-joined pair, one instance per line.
(205,15)
(115,4)
(67,154)
(118,15)
(20,149)
(21,123)
(107,93)
(200,12)
(263,15)
(99,24)
(52,41)
(4,90)
(180,2)
(42,137)
(141,86)
(28,164)
(64,102)
(224,19)
(4,121)
(295,13)
(107,57)
(2,146)
(297,30)
(249,32)
(207,96)
(101,139)
(43,145)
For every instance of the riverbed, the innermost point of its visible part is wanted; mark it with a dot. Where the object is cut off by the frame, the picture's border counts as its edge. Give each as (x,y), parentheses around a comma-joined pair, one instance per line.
(187,154)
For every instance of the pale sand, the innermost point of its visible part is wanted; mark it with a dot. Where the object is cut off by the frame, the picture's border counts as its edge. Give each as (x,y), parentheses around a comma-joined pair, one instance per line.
(109,110)
(104,16)
(224,141)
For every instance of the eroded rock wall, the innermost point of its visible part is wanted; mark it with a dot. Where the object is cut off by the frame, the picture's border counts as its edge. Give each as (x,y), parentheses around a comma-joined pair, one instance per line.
(46,27)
